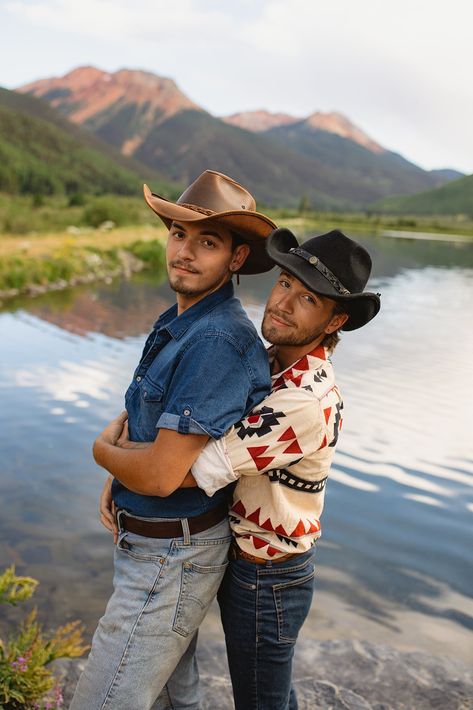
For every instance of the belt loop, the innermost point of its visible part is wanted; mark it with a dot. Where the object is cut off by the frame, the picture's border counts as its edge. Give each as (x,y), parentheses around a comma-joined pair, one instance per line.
(186,531)
(119,514)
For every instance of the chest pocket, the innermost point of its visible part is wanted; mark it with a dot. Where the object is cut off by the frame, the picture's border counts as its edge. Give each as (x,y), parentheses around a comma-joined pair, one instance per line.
(151,404)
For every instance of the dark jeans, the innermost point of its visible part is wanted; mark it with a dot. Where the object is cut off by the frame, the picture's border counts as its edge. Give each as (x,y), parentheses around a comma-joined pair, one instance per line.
(263,607)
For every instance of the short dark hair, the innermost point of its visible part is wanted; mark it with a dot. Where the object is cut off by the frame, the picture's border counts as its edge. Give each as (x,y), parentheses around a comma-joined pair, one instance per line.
(237,240)
(331,340)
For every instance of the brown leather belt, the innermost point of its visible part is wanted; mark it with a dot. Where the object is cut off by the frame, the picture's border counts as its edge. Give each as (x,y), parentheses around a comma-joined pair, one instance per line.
(171,528)
(236,553)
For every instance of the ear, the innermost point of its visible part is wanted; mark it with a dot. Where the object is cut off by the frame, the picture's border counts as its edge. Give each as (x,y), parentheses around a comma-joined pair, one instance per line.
(336,322)
(239,257)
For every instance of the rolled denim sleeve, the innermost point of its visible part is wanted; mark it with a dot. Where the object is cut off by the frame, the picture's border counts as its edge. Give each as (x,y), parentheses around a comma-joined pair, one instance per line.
(209,389)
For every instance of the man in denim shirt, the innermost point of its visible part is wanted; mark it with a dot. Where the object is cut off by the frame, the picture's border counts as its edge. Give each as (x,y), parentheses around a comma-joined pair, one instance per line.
(203,368)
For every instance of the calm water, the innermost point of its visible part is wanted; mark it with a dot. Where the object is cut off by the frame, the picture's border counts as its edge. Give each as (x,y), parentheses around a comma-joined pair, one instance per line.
(395,560)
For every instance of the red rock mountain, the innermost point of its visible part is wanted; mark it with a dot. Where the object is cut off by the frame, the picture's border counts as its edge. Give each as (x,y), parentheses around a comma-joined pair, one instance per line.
(338,123)
(260,121)
(96,98)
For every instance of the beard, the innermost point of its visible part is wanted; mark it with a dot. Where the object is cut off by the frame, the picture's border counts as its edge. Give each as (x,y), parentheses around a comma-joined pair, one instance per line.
(297,336)
(179,285)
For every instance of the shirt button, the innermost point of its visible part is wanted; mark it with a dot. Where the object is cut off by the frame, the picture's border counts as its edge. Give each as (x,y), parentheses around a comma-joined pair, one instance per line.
(187,412)
(138,379)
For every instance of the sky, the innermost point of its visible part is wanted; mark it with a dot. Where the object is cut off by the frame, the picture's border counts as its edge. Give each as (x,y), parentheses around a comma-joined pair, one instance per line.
(401,71)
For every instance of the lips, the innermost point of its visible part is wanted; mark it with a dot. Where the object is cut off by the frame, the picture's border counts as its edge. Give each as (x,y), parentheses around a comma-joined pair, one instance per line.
(183,269)
(278,320)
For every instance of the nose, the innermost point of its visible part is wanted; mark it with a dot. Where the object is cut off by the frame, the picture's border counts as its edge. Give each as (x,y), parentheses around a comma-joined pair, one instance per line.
(186,250)
(285,303)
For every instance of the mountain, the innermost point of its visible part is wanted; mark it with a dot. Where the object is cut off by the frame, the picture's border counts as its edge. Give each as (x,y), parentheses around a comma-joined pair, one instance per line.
(259,121)
(372,170)
(445,175)
(323,158)
(455,198)
(121,107)
(42,152)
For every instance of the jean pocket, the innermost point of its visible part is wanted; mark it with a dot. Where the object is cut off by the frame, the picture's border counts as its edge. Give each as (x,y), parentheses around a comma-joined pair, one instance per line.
(292,600)
(138,547)
(199,585)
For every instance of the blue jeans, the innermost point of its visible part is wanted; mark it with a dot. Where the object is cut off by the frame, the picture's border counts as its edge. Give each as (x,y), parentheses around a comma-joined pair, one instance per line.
(162,591)
(263,607)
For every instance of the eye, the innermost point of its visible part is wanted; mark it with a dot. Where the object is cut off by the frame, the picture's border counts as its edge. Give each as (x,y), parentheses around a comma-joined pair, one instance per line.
(178,234)
(309,299)
(284,284)
(208,243)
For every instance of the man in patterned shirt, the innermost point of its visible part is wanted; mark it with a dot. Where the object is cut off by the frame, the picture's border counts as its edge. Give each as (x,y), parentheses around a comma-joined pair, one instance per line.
(280,455)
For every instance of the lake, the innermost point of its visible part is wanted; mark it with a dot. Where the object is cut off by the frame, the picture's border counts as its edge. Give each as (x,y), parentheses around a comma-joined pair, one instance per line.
(394,562)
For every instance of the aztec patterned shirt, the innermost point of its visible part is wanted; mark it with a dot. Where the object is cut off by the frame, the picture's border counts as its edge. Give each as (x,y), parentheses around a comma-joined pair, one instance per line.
(280,454)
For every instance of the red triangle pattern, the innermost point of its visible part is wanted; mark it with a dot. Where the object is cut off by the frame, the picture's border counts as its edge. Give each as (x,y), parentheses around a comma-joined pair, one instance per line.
(324,443)
(297,380)
(259,543)
(293,448)
(272,551)
(287,435)
(281,531)
(254,516)
(278,383)
(314,526)
(239,509)
(267,525)
(319,352)
(299,530)
(260,461)
(303,364)
(327,413)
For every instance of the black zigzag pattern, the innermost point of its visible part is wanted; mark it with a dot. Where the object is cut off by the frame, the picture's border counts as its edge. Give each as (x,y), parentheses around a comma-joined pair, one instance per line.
(320,375)
(336,425)
(268,419)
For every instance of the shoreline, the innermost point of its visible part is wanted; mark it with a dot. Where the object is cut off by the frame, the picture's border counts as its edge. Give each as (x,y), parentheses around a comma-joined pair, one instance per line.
(39,262)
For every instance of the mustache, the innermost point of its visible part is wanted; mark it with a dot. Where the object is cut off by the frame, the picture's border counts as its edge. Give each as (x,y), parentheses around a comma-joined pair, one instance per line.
(280,316)
(183,265)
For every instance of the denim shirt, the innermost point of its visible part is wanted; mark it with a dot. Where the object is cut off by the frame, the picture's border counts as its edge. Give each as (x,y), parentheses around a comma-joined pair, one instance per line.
(200,372)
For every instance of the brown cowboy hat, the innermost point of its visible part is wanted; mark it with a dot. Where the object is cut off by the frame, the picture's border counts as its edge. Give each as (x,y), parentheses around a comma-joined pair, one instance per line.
(214,197)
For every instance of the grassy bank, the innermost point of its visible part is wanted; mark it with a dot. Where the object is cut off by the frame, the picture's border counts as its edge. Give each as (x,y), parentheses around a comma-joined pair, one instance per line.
(39,262)
(57,242)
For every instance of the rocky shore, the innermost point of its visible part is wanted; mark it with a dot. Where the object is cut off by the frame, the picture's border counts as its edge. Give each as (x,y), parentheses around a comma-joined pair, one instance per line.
(340,675)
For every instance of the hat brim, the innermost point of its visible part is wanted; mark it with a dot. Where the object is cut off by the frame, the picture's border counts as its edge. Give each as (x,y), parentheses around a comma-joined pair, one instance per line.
(252,227)
(360,307)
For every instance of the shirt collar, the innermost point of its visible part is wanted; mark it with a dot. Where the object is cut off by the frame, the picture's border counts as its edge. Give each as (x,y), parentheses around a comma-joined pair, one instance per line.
(178,325)
(319,354)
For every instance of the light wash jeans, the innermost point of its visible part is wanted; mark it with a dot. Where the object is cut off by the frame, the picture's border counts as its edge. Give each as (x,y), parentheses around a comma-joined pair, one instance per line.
(162,591)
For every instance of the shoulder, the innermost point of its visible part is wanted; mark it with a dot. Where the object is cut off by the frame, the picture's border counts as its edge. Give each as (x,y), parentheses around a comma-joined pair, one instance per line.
(229,323)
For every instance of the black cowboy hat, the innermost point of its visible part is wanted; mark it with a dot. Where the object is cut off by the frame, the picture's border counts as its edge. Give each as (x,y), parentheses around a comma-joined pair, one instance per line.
(214,197)
(331,265)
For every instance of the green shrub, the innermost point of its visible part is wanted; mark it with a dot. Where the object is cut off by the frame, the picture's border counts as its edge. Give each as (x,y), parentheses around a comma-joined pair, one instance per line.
(153,253)
(106,209)
(25,681)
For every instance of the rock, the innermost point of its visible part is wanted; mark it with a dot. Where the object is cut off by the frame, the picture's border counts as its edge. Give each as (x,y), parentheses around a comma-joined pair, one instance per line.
(337,675)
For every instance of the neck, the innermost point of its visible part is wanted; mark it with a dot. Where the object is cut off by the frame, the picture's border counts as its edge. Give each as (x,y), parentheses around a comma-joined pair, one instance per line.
(286,355)
(185,301)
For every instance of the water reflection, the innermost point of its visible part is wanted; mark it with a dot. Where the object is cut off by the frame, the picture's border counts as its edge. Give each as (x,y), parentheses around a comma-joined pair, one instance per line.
(395,553)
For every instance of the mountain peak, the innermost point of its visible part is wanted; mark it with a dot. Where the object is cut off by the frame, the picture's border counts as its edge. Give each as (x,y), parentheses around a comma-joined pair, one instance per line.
(90,96)
(259,120)
(335,122)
